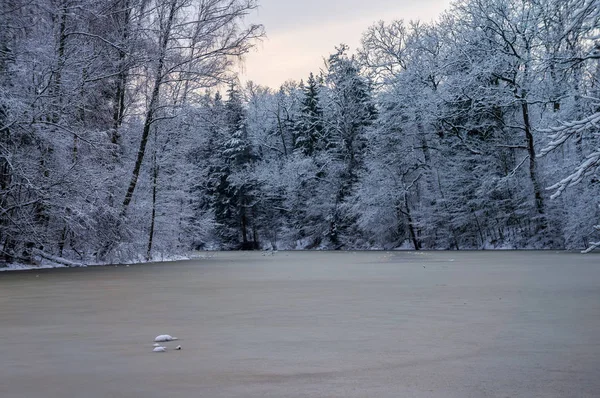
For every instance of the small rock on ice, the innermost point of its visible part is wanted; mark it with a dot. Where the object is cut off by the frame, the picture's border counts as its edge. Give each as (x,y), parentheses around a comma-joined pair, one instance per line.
(165,337)
(159,349)
(178,347)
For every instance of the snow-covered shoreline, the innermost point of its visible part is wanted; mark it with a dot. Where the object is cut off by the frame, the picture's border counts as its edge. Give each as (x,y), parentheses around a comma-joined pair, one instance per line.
(28,267)
(209,254)
(50,265)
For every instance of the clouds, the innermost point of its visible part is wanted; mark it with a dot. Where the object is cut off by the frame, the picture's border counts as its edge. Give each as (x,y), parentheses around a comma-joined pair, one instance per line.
(301,34)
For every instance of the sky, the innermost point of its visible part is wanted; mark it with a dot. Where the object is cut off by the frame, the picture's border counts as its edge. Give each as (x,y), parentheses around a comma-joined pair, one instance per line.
(300,33)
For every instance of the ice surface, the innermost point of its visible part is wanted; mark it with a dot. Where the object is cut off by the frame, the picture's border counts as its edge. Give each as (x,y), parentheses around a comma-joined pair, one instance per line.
(319,324)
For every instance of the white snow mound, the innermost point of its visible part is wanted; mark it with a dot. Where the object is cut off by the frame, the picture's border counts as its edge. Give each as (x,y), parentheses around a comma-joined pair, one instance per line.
(159,349)
(165,337)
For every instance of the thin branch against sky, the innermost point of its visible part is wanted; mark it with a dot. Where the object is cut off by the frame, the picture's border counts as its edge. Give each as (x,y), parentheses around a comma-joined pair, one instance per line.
(301,34)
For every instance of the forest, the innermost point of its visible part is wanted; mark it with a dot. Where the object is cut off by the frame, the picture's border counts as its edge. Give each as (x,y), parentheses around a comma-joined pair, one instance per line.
(125,134)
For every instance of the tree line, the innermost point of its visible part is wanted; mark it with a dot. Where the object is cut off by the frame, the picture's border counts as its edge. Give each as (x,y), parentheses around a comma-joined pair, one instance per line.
(479,130)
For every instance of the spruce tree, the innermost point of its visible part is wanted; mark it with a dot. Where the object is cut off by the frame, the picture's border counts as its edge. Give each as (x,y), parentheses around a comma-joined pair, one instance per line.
(234,203)
(350,111)
(309,128)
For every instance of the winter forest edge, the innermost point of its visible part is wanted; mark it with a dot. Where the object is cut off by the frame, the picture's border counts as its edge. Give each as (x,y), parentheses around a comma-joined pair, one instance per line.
(124,136)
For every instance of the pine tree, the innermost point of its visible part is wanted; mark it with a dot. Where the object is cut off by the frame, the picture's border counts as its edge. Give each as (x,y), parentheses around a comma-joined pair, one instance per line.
(309,135)
(233,203)
(350,110)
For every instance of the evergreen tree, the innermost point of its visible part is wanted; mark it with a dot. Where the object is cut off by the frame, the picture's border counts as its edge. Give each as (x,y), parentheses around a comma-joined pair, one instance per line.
(350,110)
(309,128)
(233,201)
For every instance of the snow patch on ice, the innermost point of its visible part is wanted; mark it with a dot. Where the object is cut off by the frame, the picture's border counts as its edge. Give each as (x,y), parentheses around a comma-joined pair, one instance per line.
(164,337)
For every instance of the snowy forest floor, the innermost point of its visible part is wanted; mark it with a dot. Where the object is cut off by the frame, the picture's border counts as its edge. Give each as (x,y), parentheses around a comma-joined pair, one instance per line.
(308,324)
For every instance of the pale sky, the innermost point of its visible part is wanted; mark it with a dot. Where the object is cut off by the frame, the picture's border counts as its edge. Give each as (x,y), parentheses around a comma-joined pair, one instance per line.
(301,33)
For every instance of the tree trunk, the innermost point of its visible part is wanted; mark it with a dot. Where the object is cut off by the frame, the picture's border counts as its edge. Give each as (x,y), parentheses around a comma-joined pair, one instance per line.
(62,241)
(411,227)
(244,225)
(61,46)
(119,103)
(154,99)
(539,199)
(154,184)
(280,128)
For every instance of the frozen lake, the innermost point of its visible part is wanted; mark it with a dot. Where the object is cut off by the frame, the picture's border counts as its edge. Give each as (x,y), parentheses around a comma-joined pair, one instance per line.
(311,324)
